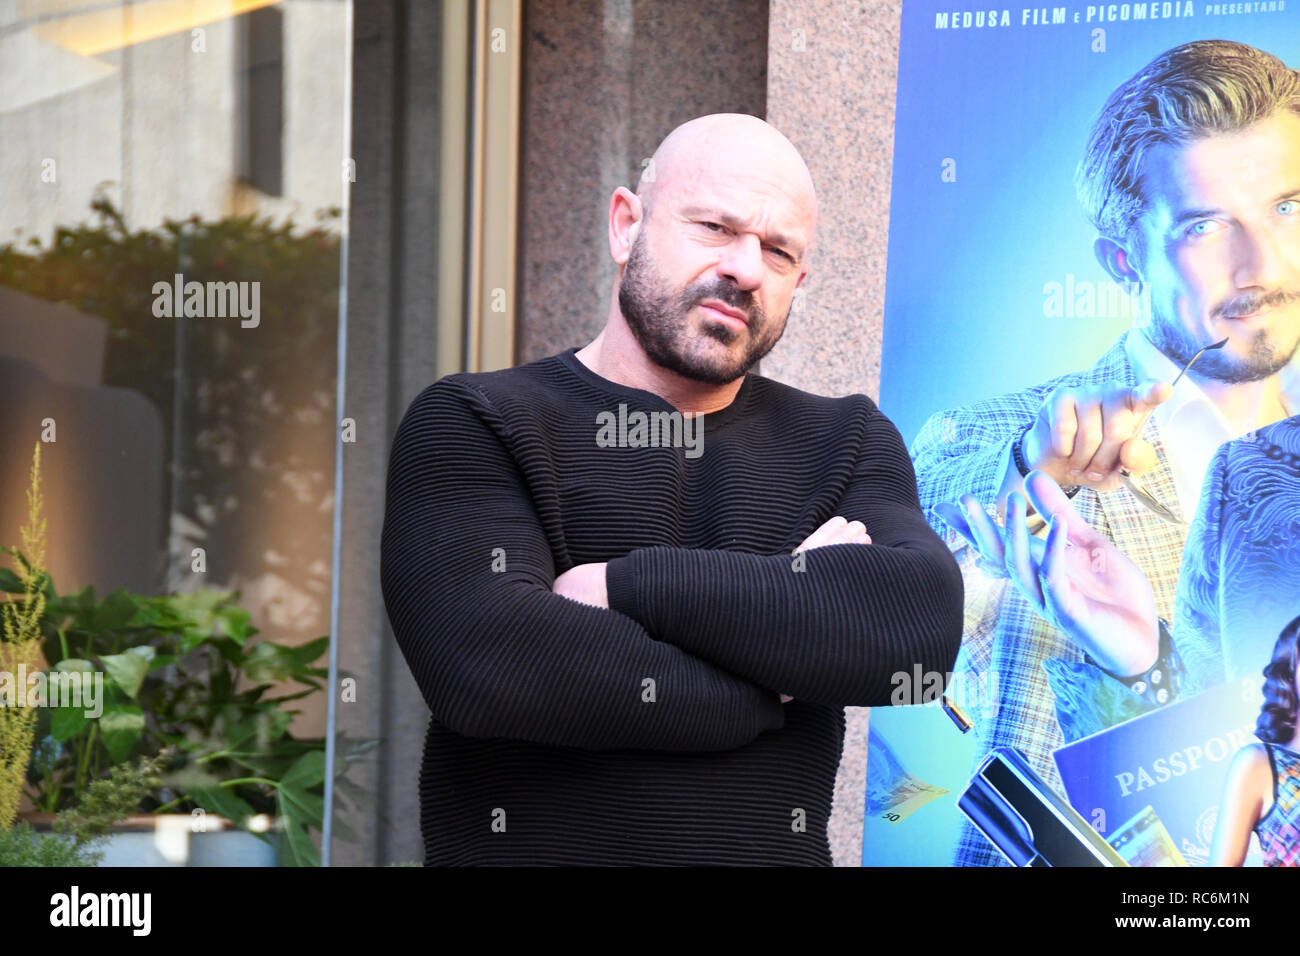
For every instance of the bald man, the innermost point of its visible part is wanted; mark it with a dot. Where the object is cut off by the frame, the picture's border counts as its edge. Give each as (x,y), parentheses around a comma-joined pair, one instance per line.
(636,583)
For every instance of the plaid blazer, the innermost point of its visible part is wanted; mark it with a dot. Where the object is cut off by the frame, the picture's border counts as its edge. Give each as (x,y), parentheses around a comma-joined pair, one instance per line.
(1005,641)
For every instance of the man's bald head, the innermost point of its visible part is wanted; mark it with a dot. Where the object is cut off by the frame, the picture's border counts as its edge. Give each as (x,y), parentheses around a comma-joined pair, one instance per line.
(730,144)
(713,246)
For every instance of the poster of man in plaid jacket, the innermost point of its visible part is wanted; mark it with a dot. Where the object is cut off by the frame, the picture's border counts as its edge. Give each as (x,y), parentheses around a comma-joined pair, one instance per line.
(1190,178)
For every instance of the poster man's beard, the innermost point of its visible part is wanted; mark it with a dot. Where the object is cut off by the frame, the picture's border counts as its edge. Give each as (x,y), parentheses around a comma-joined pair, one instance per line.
(1265,359)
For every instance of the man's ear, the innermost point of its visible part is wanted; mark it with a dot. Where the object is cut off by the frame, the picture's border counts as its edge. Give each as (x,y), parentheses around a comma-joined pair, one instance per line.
(625,212)
(1116,260)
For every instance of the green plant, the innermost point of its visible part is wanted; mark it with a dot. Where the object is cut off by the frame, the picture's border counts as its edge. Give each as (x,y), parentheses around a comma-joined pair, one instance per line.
(19,649)
(112,799)
(247,435)
(183,671)
(21,845)
(82,831)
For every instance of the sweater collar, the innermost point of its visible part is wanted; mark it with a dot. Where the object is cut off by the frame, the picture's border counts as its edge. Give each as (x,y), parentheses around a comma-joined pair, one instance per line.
(569,359)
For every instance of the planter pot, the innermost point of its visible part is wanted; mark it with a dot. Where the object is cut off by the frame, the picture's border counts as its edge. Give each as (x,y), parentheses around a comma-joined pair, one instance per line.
(176,839)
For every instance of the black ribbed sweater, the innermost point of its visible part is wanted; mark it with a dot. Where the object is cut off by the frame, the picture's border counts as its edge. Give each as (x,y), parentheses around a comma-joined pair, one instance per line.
(548,744)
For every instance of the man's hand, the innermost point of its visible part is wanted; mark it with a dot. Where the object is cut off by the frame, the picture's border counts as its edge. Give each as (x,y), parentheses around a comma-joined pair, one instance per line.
(1077,579)
(837,530)
(1084,435)
(584,583)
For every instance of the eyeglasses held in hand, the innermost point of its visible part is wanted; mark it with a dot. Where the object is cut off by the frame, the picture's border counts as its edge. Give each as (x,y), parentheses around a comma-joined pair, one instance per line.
(1126,476)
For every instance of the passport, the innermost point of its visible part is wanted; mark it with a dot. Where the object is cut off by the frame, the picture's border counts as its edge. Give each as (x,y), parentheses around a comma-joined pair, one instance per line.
(1173,760)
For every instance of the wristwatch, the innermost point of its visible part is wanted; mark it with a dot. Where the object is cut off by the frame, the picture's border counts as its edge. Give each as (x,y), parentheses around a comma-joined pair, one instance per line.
(1022,466)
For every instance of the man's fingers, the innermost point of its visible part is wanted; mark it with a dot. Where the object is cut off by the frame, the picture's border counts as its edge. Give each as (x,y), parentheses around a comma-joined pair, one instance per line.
(1018,562)
(823,534)
(837,530)
(855,532)
(1064,424)
(1051,502)
(987,536)
(1087,439)
(1045,494)
(827,532)
(1137,455)
(1122,412)
(954,519)
(1117,423)
(1052,573)
(1147,395)
(1080,432)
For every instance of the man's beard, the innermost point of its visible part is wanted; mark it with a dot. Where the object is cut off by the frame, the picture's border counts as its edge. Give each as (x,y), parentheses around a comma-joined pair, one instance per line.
(658,319)
(1266,357)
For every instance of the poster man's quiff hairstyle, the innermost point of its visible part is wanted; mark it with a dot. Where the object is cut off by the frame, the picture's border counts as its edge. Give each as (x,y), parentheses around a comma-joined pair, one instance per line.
(1192,91)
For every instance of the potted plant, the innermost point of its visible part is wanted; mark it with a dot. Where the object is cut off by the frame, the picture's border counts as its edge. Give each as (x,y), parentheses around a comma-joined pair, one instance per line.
(180,683)
(183,674)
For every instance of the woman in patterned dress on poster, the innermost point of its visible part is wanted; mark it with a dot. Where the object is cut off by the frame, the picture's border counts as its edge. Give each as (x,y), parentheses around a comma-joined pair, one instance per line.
(1262,792)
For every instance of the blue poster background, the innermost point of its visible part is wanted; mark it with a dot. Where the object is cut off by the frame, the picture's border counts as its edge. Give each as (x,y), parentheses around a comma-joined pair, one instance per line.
(1005,112)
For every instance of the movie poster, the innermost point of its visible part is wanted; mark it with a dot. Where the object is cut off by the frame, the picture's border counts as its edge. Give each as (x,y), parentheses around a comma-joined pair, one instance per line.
(1088,200)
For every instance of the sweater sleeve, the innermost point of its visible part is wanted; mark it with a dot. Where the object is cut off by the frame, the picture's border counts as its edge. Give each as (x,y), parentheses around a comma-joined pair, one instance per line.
(466,573)
(832,625)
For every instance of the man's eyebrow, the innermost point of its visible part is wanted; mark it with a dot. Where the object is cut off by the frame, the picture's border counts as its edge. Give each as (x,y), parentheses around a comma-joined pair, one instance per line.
(1188,214)
(1291,193)
(717,215)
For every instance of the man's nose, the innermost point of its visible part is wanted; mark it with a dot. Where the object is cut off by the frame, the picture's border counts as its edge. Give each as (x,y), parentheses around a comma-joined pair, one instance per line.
(1266,259)
(742,262)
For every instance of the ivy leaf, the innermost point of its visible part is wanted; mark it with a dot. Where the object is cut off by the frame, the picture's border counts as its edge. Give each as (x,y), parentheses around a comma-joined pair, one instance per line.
(309,807)
(223,802)
(67,722)
(115,612)
(121,726)
(74,664)
(236,623)
(200,609)
(307,772)
(308,652)
(128,670)
(268,661)
(296,848)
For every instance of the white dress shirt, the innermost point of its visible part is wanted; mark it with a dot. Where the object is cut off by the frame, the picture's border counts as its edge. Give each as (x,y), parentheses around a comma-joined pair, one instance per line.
(1191,426)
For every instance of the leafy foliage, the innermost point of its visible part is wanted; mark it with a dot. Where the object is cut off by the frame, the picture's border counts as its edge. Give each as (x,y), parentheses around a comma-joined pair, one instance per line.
(249,412)
(182,673)
(21,845)
(80,833)
(19,645)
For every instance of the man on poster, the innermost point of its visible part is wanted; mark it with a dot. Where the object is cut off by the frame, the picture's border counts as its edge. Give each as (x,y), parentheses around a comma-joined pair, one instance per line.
(1191,176)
